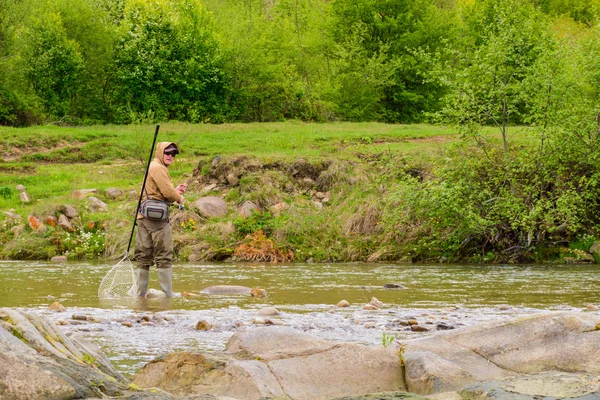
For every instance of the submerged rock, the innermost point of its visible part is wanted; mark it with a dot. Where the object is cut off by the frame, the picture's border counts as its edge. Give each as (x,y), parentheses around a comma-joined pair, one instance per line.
(225,290)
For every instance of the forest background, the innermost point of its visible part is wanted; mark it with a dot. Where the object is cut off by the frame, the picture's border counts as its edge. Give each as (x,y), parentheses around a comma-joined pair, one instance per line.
(482,67)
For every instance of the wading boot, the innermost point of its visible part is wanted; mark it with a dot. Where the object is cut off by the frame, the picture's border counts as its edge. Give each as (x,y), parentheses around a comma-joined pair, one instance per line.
(165,279)
(143,275)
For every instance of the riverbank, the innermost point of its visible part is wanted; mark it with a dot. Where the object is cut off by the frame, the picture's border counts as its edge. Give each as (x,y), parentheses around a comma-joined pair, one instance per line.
(284,192)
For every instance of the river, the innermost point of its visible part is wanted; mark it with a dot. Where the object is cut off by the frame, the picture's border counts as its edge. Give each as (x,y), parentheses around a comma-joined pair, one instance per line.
(305,294)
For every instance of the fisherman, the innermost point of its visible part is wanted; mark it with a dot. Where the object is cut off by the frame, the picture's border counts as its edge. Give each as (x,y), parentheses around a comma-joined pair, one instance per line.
(154,240)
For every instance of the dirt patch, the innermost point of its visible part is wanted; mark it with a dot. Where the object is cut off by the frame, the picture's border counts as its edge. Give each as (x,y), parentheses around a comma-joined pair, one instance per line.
(15,153)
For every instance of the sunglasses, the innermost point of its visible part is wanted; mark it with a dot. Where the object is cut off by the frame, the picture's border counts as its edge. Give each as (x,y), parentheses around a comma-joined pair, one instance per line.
(170,153)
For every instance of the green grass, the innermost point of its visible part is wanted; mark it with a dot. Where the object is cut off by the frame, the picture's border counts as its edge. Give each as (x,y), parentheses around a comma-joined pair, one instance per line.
(51,161)
(362,160)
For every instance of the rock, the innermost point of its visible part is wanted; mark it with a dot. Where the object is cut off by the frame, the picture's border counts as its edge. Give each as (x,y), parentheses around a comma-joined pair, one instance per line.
(542,385)
(370,307)
(12,218)
(16,230)
(232,179)
(38,361)
(248,208)
(203,325)
(59,259)
(65,223)
(268,312)
(595,250)
(276,209)
(426,371)
(69,211)
(444,326)
(343,304)
(128,324)
(50,220)
(419,328)
(320,195)
(393,286)
(83,193)
(113,193)
(24,197)
(189,294)
(20,188)
(35,224)
(95,204)
(376,303)
(276,362)
(211,206)
(215,161)
(318,205)
(592,307)
(208,188)
(225,290)
(500,349)
(413,321)
(56,307)
(258,293)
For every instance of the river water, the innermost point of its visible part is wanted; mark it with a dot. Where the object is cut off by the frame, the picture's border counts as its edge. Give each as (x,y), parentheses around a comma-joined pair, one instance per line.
(438,296)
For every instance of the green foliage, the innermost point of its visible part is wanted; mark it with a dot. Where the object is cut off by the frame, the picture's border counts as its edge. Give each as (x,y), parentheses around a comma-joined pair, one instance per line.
(6,192)
(386,339)
(257,221)
(52,63)
(168,63)
(487,83)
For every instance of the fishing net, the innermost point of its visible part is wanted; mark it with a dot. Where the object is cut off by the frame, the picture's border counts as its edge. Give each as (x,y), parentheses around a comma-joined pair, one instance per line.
(120,281)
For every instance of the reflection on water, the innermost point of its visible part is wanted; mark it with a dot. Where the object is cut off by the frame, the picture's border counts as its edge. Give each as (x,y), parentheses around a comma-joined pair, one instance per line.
(306,295)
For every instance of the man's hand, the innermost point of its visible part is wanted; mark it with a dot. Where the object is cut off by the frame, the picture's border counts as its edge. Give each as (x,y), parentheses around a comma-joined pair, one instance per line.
(181,188)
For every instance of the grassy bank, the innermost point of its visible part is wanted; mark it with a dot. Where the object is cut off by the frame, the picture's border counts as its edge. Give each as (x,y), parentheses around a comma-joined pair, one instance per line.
(327,192)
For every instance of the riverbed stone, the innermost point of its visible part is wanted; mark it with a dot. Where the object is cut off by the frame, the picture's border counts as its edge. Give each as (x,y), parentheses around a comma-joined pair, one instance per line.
(268,312)
(203,325)
(375,302)
(343,304)
(59,259)
(57,307)
(258,293)
(227,290)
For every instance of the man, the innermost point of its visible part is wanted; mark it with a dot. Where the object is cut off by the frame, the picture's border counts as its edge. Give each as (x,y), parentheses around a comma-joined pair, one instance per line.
(154,240)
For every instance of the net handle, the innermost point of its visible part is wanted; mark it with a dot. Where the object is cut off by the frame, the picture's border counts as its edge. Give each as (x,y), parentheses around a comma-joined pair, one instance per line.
(142,191)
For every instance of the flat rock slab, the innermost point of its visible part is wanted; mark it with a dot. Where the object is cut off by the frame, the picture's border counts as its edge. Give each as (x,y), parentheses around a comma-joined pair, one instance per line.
(492,351)
(546,385)
(282,363)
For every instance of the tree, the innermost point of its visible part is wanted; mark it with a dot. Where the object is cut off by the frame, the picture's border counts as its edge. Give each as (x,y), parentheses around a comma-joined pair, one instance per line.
(486,81)
(52,63)
(168,64)
(394,32)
